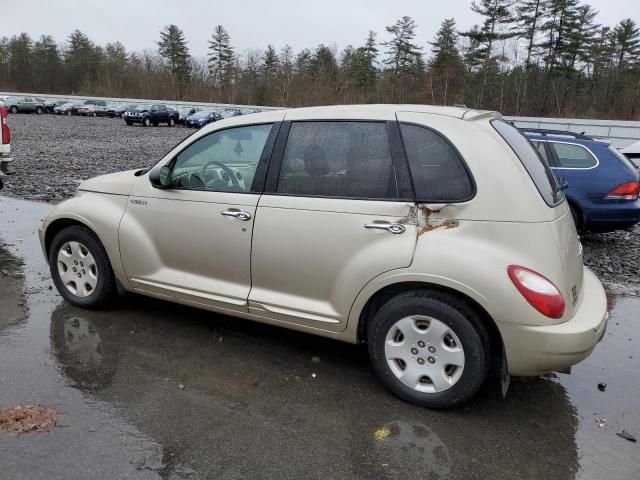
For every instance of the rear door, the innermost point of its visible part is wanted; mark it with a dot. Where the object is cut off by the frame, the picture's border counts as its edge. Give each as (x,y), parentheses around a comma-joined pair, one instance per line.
(330,221)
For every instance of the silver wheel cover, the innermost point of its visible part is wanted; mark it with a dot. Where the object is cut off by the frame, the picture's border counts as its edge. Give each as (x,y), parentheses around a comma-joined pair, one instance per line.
(77,269)
(424,354)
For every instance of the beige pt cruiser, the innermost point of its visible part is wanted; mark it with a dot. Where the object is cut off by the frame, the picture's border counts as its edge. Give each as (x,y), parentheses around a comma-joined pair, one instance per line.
(435,235)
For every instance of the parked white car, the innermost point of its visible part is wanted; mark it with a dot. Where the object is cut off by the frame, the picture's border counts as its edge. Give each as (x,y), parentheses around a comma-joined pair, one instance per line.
(436,235)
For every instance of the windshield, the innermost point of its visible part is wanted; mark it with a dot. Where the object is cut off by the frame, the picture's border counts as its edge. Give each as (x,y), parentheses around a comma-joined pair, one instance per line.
(202,114)
(533,162)
(143,107)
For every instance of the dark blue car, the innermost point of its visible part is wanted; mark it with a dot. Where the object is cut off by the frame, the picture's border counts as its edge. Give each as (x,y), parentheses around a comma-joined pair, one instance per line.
(601,183)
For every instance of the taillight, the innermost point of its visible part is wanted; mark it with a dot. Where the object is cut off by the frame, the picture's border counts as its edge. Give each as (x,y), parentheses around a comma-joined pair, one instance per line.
(5,133)
(626,191)
(540,292)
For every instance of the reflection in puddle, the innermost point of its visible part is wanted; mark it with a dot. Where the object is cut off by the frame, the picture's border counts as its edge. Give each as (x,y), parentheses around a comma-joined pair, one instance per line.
(415,449)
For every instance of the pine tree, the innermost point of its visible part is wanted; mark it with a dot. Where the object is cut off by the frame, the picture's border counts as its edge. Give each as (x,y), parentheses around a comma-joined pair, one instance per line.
(21,61)
(530,15)
(444,46)
(221,56)
(403,56)
(497,18)
(323,64)
(367,57)
(46,63)
(269,63)
(445,68)
(627,41)
(175,53)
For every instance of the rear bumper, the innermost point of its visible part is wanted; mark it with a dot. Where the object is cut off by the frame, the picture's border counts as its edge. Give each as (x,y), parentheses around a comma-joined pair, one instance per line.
(610,214)
(532,350)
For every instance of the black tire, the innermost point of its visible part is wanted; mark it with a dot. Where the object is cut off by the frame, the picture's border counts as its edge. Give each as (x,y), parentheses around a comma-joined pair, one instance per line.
(129,123)
(38,110)
(171,122)
(105,292)
(146,122)
(13,109)
(577,217)
(460,319)
(155,124)
(69,113)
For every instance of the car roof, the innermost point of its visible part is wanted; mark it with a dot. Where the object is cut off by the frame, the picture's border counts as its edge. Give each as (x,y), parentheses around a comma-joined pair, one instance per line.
(381,109)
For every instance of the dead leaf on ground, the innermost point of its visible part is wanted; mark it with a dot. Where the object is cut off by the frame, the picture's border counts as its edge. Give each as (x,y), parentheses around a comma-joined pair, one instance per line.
(27,418)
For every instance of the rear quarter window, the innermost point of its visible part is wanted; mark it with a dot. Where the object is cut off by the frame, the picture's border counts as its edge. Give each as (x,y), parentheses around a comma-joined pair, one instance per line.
(537,168)
(437,170)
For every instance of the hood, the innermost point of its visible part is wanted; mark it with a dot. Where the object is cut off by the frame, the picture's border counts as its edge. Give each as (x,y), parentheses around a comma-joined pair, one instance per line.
(113,183)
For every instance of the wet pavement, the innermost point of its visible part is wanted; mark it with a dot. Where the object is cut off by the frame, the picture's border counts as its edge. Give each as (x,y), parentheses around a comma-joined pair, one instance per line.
(155,390)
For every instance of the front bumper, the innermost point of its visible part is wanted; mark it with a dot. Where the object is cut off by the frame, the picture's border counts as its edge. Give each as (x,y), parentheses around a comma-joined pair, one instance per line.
(533,350)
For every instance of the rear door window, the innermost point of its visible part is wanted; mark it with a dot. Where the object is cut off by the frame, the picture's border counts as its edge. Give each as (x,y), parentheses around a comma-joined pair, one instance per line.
(438,173)
(571,155)
(535,165)
(338,159)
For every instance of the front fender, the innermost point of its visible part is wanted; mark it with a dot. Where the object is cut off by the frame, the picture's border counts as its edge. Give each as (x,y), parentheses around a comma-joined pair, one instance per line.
(99,212)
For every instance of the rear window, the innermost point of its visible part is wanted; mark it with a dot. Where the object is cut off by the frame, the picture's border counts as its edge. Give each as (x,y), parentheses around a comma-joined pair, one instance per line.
(538,169)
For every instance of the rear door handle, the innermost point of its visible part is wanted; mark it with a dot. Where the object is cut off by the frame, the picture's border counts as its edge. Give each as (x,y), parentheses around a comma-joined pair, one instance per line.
(239,214)
(394,228)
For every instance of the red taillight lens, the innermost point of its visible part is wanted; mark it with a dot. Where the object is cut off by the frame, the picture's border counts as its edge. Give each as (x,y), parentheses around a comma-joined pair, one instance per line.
(626,191)
(5,133)
(540,292)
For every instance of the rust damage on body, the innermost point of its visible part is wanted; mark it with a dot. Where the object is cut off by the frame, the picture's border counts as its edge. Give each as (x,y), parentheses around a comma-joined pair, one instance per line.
(426,219)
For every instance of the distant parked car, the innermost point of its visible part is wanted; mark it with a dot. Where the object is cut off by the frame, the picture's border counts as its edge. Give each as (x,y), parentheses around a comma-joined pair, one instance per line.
(24,105)
(124,107)
(108,110)
(87,110)
(202,118)
(601,184)
(184,112)
(51,103)
(5,145)
(65,108)
(152,114)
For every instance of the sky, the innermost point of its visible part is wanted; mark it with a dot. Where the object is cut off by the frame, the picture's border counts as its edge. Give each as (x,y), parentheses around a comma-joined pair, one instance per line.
(252,23)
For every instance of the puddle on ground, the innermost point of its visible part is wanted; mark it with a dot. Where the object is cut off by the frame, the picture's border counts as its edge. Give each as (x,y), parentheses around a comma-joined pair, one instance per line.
(155,390)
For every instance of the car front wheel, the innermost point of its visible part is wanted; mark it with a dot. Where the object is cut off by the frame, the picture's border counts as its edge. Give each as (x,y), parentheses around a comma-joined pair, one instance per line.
(13,109)
(428,348)
(171,122)
(146,122)
(80,268)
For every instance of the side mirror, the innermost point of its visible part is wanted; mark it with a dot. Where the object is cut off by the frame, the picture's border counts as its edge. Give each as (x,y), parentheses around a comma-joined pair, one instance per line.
(160,178)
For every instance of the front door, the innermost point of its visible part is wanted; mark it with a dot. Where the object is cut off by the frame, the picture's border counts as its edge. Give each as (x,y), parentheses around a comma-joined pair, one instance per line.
(192,241)
(332,220)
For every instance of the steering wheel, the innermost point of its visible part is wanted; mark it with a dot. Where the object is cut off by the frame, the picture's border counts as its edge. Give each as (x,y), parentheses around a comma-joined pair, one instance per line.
(228,171)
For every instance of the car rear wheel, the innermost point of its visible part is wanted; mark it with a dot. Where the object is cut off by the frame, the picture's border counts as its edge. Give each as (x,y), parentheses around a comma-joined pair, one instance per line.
(39,110)
(146,122)
(13,109)
(69,113)
(171,122)
(80,268)
(429,348)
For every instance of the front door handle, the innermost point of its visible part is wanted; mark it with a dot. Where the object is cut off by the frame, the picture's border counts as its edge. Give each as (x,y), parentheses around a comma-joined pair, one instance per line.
(394,228)
(239,214)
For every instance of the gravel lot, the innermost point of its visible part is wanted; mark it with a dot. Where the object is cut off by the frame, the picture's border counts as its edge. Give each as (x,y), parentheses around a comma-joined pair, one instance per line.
(53,154)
